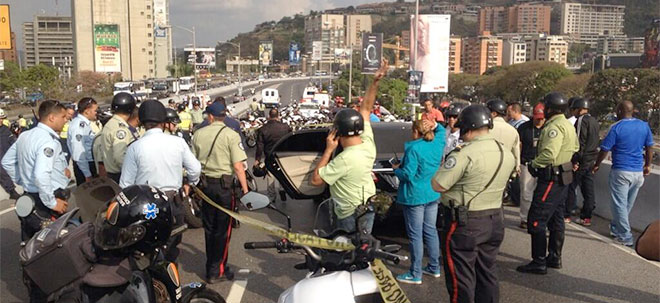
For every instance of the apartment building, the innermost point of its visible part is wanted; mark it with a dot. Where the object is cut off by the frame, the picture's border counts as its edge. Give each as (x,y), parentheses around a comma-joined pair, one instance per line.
(481,53)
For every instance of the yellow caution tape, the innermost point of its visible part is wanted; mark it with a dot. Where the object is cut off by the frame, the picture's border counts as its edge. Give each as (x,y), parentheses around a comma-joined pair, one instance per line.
(304,239)
(389,289)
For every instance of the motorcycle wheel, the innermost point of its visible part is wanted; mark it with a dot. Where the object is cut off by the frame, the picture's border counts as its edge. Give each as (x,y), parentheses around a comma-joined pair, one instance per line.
(207,296)
(192,213)
(251,142)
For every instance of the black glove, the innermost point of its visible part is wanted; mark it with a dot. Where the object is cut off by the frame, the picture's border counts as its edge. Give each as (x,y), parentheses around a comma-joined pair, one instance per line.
(532,170)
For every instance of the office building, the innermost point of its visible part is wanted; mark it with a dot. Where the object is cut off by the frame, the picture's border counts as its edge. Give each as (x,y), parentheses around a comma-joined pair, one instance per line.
(455,55)
(514,51)
(355,26)
(10,55)
(585,23)
(619,44)
(550,48)
(128,37)
(493,19)
(481,53)
(48,40)
(334,31)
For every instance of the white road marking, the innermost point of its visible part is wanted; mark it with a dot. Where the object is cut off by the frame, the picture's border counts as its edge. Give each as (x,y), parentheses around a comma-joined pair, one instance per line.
(7,210)
(605,240)
(236,291)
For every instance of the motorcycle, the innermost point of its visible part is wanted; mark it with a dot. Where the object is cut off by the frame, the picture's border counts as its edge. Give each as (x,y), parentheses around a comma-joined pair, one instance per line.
(333,276)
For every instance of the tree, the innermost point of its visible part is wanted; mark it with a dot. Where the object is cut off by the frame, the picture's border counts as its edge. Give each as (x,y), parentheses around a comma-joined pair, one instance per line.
(40,78)
(573,85)
(180,69)
(11,79)
(528,81)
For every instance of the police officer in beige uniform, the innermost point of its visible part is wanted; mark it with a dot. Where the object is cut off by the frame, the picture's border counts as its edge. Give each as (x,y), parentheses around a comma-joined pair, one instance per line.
(472,181)
(116,136)
(554,171)
(220,151)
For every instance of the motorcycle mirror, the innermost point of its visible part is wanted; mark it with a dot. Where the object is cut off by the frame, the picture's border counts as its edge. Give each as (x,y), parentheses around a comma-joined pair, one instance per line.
(254,200)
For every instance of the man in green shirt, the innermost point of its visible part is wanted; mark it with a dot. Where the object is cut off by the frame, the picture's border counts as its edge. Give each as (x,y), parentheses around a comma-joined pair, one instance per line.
(196,113)
(471,223)
(554,170)
(349,173)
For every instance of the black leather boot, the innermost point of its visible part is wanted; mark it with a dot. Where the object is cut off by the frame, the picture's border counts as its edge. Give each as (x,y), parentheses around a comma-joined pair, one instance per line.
(538,264)
(555,244)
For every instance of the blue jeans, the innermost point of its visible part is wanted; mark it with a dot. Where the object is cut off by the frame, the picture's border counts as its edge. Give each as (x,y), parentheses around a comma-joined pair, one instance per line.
(624,186)
(420,225)
(366,222)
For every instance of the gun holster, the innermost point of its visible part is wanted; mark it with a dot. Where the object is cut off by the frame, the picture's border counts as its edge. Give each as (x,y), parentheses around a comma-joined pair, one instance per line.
(566,174)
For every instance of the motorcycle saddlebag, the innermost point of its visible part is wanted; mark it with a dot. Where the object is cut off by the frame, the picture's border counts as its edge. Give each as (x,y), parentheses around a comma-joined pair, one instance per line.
(59,254)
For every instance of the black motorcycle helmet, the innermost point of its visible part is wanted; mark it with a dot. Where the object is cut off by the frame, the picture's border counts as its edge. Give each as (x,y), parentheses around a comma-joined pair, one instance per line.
(138,218)
(196,102)
(554,104)
(123,103)
(579,103)
(348,122)
(497,105)
(455,108)
(171,101)
(152,111)
(473,117)
(181,107)
(171,116)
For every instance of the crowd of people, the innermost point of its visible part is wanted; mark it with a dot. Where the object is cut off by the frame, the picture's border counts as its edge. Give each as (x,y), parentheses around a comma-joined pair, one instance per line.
(461,161)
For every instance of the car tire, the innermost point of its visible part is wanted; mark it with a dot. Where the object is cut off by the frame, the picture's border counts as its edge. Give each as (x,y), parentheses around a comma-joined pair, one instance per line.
(192,213)
(251,141)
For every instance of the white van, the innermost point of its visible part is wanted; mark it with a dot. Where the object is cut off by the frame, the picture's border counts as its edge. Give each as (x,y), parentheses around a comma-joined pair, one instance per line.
(270,97)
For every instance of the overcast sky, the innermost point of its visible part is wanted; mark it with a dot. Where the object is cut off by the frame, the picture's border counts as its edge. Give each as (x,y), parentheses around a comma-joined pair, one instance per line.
(213,19)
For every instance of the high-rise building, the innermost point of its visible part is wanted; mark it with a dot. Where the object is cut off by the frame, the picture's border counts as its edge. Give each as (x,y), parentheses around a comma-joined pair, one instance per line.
(455,55)
(334,31)
(481,53)
(128,37)
(514,51)
(529,18)
(493,19)
(521,18)
(10,54)
(543,47)
(355,26)
(584,23)
(48,40)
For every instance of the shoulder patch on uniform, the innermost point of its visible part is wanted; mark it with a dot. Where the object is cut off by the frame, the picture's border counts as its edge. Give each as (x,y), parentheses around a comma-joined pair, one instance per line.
(48,152)
(121,134)
(450,162)
(552,133)
(240,145)
(79,137)
(82,124)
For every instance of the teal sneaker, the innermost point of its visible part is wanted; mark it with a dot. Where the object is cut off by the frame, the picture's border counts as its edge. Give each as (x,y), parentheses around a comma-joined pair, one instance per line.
(427,271)
(409,279)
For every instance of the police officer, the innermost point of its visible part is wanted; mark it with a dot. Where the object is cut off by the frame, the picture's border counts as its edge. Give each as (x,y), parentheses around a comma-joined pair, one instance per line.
(453,132)
(472,180)
(37,163)
(267,136)
(197,114)
(554,171)
(7,139)
(221,153)
(70,112)
(116,136)
(80,139)
(186,121)
(503,131)
(171,104)
(158,159)
(172,121)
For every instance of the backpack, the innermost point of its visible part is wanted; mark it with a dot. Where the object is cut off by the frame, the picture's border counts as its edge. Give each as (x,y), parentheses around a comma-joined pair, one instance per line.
(59,255)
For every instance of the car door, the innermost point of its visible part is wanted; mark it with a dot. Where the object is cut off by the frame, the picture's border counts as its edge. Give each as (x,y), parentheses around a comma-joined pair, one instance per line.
(296,155)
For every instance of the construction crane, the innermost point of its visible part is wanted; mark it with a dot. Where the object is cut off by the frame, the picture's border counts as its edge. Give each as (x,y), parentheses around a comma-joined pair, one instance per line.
(397,48)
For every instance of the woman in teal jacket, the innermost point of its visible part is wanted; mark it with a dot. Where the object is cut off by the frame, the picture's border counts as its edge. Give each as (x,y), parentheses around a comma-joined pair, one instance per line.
(421,160)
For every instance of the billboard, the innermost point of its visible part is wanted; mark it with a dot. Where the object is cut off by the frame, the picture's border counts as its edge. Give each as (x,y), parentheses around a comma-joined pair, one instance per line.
(5,27)
(107,58)
(160,18)
(317,50)
(204,58)
(432,51)
(265,53)
(372,52)
(294,53)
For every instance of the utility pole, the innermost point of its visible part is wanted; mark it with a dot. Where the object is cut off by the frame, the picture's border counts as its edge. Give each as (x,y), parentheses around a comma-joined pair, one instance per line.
(195,63)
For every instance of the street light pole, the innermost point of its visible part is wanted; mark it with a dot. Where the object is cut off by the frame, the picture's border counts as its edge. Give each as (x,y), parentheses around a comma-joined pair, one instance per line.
(195,63)
(237,45)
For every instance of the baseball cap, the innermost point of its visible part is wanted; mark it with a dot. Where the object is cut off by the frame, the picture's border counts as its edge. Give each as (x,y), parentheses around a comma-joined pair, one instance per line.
(538,111)
(216,109)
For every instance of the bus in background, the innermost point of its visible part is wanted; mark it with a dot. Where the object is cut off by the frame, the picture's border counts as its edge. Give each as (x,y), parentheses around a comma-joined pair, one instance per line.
(187,83)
